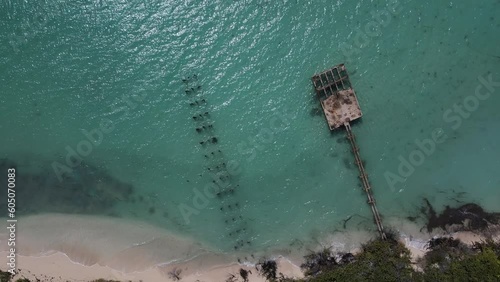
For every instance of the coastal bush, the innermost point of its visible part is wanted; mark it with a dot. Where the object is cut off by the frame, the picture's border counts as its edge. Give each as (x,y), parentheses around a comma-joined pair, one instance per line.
(318,262)
(488,244)
(268,269)
(442,251)
(244,274)
(483,266)
(5,276)
(379,261)
(447,259)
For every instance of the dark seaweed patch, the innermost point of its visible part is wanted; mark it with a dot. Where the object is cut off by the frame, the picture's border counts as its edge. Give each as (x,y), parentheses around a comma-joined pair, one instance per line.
(87,190)
(151,210)
(469,216)
(347,163)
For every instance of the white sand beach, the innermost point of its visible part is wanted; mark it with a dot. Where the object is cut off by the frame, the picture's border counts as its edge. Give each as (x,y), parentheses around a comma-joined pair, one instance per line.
(84,248)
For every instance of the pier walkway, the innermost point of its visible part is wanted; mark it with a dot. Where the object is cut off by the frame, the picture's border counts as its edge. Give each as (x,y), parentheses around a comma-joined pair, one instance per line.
(364,179)
(340,106)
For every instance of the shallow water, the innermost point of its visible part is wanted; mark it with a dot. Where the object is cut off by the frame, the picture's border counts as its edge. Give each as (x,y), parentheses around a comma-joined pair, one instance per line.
(66,67)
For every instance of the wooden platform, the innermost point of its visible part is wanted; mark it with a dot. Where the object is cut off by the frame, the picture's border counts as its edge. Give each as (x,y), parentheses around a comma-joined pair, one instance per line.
(338,99)
(341,108)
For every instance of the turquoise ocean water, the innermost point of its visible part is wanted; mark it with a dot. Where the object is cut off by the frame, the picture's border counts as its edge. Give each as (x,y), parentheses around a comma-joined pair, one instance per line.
(65,66)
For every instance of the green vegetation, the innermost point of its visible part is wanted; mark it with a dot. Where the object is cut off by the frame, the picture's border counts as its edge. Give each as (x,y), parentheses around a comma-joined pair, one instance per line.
(268,269)
(448,259)
(5,276)
(378,261)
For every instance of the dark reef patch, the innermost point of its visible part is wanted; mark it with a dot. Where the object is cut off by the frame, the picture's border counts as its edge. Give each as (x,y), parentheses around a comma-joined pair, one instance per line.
(341,140)
(86,190)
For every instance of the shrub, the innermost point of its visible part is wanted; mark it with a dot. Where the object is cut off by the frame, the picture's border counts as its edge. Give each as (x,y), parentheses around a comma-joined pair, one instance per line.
(379,261)
(5,276)
(318,262)
(268,269)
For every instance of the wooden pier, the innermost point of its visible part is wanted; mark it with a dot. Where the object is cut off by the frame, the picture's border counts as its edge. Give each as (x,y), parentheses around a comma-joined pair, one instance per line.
(340,106)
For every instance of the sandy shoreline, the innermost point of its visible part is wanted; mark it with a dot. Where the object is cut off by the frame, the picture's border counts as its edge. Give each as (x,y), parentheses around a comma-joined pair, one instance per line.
(58,267)
(59,247)
(84,248)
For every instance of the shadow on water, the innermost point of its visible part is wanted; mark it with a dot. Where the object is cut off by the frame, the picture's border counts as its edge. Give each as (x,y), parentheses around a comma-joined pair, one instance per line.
(87,190)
